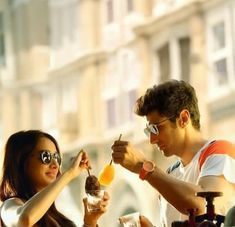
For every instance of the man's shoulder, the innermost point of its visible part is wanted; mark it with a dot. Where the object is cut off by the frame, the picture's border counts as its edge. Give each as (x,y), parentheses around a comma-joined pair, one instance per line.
(217,147)
(222,147)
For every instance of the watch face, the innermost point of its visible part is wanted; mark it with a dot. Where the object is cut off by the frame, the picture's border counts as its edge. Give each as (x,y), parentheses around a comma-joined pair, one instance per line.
(148,166)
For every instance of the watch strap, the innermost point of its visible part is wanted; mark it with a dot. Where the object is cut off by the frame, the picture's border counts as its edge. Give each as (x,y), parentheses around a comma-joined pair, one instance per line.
(142,174)
(144,171)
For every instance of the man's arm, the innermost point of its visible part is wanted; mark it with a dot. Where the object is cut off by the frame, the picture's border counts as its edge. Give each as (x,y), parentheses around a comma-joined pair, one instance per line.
(182,194)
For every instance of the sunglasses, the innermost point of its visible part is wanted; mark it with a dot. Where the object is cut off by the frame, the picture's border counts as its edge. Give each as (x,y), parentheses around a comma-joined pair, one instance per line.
(46,157)
(153,128)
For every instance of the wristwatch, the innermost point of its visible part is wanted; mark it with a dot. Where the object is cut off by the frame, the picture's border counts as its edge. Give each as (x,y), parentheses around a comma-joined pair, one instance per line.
(147,167)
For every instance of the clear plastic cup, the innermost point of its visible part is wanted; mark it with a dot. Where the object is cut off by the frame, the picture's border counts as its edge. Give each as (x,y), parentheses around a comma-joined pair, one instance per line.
(130,220)
(94,198)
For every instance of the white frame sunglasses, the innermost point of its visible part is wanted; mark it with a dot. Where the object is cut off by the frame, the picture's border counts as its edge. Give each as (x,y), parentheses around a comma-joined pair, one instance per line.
(153,128)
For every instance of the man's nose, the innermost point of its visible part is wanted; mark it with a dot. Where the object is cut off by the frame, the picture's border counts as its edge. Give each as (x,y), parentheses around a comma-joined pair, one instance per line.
(153,138)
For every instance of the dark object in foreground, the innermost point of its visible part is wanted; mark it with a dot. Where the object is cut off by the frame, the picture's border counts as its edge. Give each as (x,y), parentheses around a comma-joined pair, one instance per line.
(209,219)
(230,218)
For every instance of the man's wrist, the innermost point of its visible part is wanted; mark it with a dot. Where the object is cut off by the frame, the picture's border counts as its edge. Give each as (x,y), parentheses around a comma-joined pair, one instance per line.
(147,169)
(85,225)
(138,167)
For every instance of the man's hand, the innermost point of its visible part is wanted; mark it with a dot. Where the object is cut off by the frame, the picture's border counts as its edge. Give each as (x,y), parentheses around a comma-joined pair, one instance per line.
(144,222)
(127,156)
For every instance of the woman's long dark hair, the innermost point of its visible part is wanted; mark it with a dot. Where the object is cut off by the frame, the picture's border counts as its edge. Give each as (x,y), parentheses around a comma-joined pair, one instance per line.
(15,181)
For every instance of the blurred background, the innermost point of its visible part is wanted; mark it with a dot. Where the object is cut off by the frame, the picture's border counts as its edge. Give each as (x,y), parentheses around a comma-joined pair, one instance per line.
(74,68)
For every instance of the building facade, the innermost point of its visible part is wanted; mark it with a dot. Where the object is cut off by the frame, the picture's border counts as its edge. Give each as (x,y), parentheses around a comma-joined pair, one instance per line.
(74,68)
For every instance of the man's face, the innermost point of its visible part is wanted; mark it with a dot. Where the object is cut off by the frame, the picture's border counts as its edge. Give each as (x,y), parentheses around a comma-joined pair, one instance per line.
(165,134)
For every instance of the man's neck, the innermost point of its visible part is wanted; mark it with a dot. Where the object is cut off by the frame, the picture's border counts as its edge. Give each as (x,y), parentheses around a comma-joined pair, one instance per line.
(191,147)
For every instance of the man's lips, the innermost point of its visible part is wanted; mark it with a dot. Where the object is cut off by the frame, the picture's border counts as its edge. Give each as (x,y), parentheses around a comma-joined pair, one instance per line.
(161,146)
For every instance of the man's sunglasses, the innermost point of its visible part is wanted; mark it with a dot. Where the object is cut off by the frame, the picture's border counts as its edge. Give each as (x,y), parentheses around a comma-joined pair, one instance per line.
(46,157)
(153,128)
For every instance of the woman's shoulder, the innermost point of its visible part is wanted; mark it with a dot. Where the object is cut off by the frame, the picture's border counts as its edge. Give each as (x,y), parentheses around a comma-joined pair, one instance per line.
(10,203)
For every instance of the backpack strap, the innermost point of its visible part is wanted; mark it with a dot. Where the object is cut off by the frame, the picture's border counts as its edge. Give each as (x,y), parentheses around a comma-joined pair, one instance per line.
(216,147)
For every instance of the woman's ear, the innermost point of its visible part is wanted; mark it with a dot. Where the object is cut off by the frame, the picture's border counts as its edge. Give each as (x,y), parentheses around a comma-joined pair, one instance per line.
(184,117)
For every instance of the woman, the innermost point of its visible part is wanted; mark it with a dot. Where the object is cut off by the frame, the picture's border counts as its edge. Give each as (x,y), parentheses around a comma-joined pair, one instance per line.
(32,181)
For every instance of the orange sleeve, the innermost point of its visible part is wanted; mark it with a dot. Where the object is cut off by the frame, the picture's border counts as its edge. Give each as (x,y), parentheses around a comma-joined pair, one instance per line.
(217,147)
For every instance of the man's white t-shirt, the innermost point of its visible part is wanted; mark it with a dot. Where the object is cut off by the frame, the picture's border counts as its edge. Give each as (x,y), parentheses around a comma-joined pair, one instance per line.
(215,158)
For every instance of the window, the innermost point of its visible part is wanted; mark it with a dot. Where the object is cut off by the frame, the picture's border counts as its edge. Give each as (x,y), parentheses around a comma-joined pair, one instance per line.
(69,97)
(221,45)
(2,41)
(129,5)
(131,77)
(56,29)
(1,124)
(164,62)
(111,113)
(16,2)
(68,115)
(119,97)
(110,92)
(219,36)
(110,16)
(218,49)
(17,111)
(132,96)
(49,110)
(184,44)
(220,68)
(36,104)
(64,31)
(64,23)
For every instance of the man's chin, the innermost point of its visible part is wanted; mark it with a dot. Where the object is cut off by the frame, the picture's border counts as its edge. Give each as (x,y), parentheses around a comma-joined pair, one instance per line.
(165,153)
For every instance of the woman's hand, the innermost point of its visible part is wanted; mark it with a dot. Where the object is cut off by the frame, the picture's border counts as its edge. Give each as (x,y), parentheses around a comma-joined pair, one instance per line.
(91,218)
(79,163)
(144,222)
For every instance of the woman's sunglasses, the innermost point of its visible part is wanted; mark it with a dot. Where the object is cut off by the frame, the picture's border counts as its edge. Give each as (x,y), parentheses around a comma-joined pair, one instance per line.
(47,156)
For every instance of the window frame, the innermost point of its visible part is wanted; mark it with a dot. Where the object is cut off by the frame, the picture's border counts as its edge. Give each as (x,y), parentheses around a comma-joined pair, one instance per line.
(2,40)
(213,18)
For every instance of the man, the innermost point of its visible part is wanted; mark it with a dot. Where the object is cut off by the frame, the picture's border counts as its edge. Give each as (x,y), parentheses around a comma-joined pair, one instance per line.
(171,110)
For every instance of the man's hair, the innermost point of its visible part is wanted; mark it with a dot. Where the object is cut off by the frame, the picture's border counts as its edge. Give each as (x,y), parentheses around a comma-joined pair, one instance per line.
(169,99)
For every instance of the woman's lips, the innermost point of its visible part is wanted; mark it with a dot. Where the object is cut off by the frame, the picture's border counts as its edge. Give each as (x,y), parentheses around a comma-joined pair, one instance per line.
(52,173)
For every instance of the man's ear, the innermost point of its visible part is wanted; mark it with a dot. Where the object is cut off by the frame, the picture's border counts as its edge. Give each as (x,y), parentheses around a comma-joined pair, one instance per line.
(184,118)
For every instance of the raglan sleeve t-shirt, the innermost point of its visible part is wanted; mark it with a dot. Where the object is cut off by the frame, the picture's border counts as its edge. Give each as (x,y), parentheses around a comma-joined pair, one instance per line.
(215,158)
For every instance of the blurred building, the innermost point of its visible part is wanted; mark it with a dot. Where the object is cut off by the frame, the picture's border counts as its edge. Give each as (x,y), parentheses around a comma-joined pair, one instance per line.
(74,68)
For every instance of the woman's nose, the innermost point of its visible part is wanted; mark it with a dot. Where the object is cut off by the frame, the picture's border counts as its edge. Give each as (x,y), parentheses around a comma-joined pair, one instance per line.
(54,163)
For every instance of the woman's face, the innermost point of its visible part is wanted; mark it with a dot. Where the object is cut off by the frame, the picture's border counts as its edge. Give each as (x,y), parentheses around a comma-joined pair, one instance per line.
(42,174)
